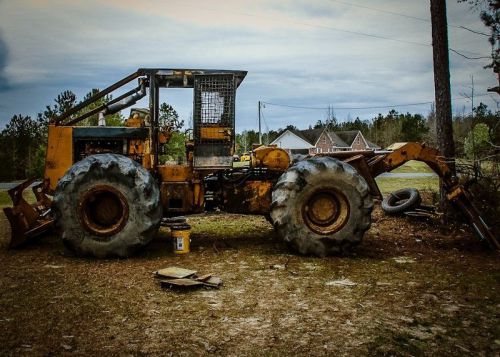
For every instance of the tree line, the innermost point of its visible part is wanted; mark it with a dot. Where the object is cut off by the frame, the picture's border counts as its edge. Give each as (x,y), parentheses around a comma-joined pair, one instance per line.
(392,127)
(23,140)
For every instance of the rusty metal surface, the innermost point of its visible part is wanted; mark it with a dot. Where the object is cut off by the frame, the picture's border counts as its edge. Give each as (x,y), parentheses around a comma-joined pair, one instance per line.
(94,98)
(175,173)
(462,199)
(103,210)
(252,197)
(59,156)
(346,154)
(326,212)
(215,133)
(272,158)
(360,164)
(27,221)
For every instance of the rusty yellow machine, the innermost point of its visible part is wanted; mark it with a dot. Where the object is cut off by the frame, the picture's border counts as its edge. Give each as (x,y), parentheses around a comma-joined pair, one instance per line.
(106,192)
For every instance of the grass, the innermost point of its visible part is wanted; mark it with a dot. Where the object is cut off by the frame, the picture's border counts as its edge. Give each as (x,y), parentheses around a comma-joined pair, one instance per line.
(413,167)
(272,302)
(4,198)
(6,201)
(391,184)
(239,164)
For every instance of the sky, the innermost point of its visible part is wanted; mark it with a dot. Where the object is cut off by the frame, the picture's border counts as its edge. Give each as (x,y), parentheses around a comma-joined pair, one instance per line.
(348,55)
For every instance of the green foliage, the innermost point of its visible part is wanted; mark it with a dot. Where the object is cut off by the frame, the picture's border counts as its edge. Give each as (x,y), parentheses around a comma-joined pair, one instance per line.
(247,138)
(169,118)
(19,144)
(490,16)
(23,141)
(175,148)
(111,120)
(386,129)
(413,127)
(478,141)
(63,102)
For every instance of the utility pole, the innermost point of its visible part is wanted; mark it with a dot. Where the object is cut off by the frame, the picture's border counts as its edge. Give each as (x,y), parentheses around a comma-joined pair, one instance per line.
(472,123)
(260,132)
(472,95)
(442,93)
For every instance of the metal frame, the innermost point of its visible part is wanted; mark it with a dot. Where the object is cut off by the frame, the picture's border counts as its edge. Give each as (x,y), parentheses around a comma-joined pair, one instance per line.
(154,78)
(164,78)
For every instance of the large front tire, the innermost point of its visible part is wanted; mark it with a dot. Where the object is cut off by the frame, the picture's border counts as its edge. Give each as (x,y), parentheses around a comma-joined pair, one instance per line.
(107,205)
(321,206)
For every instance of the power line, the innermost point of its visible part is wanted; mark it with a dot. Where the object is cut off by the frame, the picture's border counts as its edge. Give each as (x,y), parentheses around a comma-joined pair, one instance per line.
(360,108)
(473,31)
(346,108)
(471,58)
(381,10)
(394,13)
(332,28)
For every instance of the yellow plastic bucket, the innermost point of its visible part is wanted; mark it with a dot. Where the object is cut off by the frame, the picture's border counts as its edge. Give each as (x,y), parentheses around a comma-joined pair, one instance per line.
(181,238)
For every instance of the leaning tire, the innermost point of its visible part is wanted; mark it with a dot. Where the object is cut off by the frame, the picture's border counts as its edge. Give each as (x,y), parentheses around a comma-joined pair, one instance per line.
(401,200)
(321,206)
(107,205)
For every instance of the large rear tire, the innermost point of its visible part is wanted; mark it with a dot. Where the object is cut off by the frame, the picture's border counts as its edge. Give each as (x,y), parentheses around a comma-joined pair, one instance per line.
(321,206)
(107,205)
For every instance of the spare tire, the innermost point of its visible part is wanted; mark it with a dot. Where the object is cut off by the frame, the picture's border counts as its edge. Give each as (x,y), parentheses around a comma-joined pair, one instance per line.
(107,205)
(401,200)
(321,206)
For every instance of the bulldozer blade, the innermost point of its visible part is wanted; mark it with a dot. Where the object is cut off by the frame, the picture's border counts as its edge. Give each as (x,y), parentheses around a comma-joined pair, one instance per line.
(27,221)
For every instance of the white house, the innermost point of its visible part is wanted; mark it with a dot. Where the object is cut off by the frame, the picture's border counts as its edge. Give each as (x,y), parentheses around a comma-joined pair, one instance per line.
(322,141)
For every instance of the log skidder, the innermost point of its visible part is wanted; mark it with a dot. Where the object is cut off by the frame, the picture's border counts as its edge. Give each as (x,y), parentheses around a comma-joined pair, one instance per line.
(110,189)
(321,206)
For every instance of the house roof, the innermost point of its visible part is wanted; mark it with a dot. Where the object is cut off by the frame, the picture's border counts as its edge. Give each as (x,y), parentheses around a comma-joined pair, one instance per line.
(372,145)
(339,138)
(348,136)
(292,132)
(337,141)
(309,135)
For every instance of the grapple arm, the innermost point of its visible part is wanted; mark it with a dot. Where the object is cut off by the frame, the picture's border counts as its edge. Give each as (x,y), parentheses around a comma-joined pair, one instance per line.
(457,194)
(28,220)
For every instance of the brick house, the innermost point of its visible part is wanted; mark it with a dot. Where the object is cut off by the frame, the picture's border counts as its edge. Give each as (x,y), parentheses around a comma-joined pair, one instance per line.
(313,141)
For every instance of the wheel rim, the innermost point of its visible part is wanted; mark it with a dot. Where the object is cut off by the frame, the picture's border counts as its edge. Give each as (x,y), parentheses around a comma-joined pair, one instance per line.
(103,210)
(326,212)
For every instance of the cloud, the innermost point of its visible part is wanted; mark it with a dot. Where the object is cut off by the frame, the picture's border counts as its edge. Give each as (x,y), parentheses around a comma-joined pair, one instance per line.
(295,52)
(3,63)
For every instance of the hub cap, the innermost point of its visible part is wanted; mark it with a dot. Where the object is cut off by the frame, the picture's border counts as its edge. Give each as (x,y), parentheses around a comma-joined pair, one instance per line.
(326,212)
(103,210)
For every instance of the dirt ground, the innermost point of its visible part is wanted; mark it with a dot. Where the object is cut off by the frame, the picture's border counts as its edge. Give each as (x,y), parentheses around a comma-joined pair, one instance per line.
(411,288)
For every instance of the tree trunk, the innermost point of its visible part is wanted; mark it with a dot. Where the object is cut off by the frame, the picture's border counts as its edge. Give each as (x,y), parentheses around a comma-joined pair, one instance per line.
(444,128)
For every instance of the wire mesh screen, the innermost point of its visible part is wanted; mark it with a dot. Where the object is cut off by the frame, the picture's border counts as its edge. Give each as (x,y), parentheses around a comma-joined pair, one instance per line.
(213,117)
(214,100)
(212,107)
